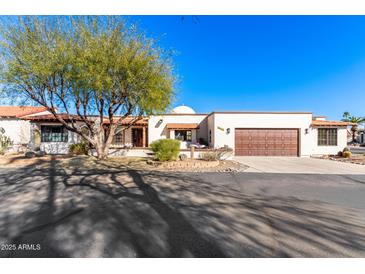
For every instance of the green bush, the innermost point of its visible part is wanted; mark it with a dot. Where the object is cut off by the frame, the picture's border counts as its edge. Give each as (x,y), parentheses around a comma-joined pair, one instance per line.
(79,149)
(345,149)
(166,149)
(346,154)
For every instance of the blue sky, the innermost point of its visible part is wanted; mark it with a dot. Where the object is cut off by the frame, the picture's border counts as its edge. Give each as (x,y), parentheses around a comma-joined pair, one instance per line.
(292,63)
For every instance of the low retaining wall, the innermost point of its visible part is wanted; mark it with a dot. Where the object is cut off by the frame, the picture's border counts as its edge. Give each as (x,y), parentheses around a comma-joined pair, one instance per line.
(118,152)
(146,152)
(196,164)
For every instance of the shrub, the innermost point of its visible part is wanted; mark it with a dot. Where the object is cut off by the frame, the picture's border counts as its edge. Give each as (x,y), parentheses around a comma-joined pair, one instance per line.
(346,154)
(5,141)
(217,154)
(166,149)
(339,153)
(209,156)
(79,149)
(345,149)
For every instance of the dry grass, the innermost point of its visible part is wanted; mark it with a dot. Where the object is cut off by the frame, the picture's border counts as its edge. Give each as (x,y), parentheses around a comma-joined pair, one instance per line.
(19,160)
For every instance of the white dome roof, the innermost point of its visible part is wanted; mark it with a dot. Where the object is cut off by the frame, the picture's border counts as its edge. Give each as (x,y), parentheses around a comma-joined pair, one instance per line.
(183,110)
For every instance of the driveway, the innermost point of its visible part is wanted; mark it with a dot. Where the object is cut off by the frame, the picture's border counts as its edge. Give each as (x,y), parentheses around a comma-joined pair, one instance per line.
(299,165)
(110,212)
(357,150)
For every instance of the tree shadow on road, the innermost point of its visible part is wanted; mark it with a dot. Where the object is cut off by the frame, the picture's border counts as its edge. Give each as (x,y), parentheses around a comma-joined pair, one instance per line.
(121,212)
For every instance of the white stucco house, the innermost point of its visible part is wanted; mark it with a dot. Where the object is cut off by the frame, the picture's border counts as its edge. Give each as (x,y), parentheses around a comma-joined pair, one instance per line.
(248,133)
(15,126)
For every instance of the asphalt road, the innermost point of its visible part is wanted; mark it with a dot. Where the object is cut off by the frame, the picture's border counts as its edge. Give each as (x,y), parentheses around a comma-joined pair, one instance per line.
(125,213)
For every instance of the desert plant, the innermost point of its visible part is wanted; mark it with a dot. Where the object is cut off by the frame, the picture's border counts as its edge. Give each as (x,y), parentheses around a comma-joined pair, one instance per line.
(216,154)
(79,148)
(166,149)
(5,141)
(209,156)
(355,121)
(346,154)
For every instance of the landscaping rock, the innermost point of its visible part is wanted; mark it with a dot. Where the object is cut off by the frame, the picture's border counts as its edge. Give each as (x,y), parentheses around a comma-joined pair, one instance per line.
(30,154)
(40,153)
(183,157)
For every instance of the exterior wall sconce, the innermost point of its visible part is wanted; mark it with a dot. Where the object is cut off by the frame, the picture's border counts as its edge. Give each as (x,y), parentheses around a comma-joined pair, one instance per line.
(158,123)
(306,131)
(228,130)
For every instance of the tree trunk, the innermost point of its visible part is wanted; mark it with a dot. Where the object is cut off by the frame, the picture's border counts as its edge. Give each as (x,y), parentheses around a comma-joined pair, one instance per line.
(102,145)
(354,130)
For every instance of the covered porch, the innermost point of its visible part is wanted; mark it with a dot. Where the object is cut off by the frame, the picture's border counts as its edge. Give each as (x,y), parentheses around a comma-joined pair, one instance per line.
(186,133)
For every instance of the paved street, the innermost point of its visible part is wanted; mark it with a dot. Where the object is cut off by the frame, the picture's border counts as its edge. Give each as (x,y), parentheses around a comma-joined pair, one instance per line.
(127,213)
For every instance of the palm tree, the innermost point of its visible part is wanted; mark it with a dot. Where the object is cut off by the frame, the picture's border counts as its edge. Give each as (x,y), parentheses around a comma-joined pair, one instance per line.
(355,121)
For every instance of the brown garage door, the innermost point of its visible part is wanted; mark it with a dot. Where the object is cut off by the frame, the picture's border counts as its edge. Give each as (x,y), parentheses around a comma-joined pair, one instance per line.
(266,142)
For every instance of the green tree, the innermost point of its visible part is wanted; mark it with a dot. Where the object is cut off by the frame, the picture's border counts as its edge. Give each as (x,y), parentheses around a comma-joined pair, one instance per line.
(355,121)
(83,66)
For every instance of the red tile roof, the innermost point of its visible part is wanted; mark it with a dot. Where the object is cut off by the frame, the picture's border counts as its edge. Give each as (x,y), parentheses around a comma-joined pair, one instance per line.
(128,120)
(50,117)
(66,117)
(330,123)
(182,126)
(19,111)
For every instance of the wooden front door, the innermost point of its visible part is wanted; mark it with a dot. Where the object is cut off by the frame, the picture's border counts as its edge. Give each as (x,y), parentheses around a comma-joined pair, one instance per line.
(266,142)
(137,137)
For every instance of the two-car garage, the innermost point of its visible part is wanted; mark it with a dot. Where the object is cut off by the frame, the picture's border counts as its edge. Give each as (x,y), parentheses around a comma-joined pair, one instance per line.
(266,142)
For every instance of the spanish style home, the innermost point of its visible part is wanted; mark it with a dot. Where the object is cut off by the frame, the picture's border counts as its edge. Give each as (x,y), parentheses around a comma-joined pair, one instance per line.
(247,133)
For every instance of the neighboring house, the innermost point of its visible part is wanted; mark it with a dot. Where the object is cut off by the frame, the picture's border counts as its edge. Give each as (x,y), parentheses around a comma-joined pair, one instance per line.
(361,136)
(247,133)
(15,126)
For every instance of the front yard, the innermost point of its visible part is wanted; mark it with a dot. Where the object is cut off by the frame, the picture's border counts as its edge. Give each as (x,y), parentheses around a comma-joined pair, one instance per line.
(137,163)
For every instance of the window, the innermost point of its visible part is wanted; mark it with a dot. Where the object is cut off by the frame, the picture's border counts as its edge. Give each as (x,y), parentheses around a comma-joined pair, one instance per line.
(183,135)
(327,136)
(118,138)
(54,134)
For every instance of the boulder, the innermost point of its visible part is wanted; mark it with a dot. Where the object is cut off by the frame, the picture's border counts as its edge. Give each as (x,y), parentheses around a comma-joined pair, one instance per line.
(183,157)
(30,154)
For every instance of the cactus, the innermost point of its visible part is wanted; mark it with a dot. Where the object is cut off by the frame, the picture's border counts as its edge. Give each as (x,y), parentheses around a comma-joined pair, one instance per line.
(5,141)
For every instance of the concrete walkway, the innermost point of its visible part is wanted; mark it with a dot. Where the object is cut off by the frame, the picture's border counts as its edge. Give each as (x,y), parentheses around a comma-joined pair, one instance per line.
(299,165)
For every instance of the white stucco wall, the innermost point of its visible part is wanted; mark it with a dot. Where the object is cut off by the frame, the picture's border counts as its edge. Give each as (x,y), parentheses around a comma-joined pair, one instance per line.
(18,130)
(325,150)
(232,121)
(59,147)
(302,121)
(158,131)
(210,130)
